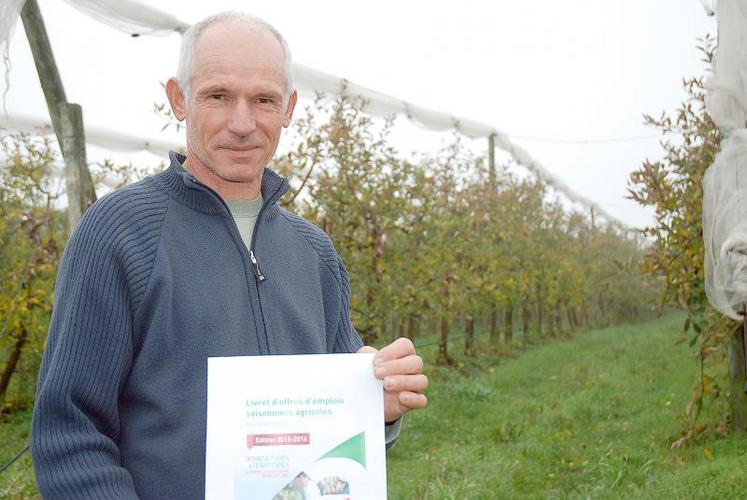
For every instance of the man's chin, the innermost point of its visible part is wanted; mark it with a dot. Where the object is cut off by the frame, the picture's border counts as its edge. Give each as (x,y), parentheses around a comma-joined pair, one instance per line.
(238,172)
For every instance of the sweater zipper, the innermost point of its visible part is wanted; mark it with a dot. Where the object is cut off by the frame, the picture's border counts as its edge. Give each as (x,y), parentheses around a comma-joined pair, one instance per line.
(258,274)
(255,265)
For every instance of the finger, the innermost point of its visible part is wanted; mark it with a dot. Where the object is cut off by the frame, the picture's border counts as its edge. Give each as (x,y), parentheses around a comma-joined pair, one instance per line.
(367,349)
(408,365)
(401,403)
(412,400)
(411,383)
(398,349)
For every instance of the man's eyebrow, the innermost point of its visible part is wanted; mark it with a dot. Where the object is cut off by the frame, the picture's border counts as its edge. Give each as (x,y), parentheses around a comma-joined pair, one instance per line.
(271,94)
(217,89)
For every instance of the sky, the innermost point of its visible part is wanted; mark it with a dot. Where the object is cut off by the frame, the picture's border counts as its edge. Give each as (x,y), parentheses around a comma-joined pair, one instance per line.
(545,72)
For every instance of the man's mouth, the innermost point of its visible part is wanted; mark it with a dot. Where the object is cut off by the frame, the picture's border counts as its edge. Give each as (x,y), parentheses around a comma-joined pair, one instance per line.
(241,149)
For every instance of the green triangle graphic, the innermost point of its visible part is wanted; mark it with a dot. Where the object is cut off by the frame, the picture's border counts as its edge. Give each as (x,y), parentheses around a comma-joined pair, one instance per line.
(354,449)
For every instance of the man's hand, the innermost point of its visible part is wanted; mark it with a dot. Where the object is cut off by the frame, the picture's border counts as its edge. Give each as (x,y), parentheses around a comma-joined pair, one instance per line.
(401,370)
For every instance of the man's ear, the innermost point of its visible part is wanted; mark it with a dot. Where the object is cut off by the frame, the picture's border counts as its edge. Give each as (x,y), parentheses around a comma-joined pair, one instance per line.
(176,98)
(289,110)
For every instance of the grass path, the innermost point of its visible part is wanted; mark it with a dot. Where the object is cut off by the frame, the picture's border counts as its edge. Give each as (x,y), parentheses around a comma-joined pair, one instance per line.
(590,417)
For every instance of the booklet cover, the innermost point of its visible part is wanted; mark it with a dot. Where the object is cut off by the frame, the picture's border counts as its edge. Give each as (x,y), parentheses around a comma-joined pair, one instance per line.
(294,427)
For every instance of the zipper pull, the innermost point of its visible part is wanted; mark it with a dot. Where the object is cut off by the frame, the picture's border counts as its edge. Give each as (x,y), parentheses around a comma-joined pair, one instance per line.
(257,271)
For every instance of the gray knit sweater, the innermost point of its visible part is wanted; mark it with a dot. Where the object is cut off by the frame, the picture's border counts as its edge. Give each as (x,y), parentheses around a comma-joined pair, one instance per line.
(155,280)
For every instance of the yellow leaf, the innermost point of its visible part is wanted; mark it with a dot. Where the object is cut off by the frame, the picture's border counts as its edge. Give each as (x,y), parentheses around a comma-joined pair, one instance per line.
(708,454)
(707,387)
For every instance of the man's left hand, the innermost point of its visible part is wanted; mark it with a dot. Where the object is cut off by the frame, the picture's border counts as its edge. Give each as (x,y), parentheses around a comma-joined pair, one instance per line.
(401,370)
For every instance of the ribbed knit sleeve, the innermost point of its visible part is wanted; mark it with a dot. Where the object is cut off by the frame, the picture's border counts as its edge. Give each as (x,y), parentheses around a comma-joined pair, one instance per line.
(347,339)
(102,278)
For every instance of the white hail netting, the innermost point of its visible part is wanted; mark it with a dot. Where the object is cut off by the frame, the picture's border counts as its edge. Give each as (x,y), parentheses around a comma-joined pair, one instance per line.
(10,10)
(709,6)
(382,105)
(135,17)
(725,182)
(130,16)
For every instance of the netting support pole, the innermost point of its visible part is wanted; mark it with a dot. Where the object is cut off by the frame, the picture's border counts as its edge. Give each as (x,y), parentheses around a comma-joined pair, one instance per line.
(744,345)
(80,193)
(491,164)
(736,349)
(66,118)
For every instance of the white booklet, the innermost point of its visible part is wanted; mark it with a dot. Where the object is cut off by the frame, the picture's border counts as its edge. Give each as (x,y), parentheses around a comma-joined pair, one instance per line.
(294,427)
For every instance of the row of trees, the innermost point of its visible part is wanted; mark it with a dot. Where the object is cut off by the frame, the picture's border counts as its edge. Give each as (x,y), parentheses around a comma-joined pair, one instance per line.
(673,186)
(32,235)
(443,240)
(433,245)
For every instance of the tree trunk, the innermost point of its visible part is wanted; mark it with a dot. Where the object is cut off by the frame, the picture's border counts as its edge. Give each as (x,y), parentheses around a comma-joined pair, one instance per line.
(12,363)
(494,325)
(469,335)
(582,318)
(508,334)
(574,318)
(571,319)
(737,379)
(412,325)
(551,323)
(377,252)
(443,343)
(525,315)
(539,313)
(603,319)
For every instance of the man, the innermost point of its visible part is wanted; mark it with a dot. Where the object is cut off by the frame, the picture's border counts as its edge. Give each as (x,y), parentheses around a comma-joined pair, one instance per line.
(194,262)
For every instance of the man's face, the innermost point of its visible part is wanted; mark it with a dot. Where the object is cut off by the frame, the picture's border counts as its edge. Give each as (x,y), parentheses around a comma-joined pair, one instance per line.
(236,107)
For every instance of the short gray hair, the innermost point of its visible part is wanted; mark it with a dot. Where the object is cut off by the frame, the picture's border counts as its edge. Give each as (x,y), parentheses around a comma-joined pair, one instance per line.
(192,35)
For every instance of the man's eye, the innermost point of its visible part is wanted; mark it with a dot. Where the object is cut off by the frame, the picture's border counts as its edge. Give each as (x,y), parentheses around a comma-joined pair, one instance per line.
(216,97)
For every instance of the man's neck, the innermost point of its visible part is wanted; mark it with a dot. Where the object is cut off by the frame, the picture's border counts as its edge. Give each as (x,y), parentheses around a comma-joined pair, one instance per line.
(228,190)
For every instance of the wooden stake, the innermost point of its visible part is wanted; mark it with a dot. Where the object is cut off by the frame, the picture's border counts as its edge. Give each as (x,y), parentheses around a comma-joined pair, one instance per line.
(67,120)
(491,164)
(744,345)
(73,146)
(49,77)
(738,376)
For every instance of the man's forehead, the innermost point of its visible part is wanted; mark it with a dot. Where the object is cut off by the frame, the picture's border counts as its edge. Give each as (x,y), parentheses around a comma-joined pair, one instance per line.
(241,38)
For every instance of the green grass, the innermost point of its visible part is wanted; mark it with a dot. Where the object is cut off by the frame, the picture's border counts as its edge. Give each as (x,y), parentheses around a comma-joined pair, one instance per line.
(18,481)
(590,417)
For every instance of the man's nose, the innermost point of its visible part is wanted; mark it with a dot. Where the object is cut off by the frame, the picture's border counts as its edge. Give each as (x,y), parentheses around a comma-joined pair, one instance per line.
(241,120)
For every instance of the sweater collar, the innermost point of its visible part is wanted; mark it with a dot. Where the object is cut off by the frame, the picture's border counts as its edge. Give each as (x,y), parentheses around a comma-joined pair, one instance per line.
(245,208)
(182,185)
